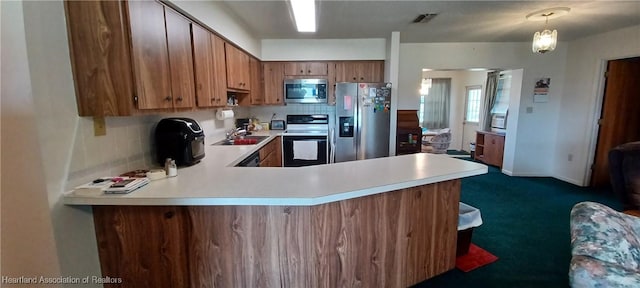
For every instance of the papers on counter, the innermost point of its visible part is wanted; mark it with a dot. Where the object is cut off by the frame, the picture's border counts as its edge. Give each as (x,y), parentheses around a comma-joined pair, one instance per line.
(111,185)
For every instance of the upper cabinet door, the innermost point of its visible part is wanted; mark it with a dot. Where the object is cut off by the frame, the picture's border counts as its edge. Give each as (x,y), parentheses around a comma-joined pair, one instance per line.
(219,71)
(273,82)
(203,52)
(360,71)
(99,44)
(180,59)
(305,68)
(257,86)
(150,55)
(238,75)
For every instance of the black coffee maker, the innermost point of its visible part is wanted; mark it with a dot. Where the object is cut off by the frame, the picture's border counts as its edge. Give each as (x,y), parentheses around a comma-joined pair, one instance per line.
(180,139)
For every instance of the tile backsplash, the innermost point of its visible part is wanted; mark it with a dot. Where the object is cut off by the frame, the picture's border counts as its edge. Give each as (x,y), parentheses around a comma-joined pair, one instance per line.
(264,113)
(129,144)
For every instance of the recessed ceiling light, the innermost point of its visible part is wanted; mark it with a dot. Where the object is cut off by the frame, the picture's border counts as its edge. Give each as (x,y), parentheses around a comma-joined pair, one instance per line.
(304,11)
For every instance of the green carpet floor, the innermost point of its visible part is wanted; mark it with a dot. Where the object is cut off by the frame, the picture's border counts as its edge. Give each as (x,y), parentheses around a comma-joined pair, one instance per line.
(526,224)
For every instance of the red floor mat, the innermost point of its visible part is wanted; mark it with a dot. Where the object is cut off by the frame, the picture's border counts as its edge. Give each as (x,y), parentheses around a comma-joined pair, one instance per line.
(477,257)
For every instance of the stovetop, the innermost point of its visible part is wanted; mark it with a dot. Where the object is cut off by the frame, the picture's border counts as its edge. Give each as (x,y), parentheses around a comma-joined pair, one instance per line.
(317,125)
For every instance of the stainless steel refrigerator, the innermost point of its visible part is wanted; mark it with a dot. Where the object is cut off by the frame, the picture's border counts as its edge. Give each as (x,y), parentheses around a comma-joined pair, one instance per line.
(362,121)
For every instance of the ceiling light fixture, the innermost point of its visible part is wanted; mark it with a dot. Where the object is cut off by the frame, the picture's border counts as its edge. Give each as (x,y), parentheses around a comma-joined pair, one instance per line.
(304,11)
(546,40)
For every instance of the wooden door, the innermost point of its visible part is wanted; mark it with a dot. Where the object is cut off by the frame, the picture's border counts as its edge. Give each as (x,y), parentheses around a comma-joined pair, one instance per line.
(257,92)
(150,55)
(219,71)
(152,237)
(203,53)
(238,75)
(316,68)
(101,69)
(620,117)
(372,71)
(294,68)
(273,82)
(305,68)
(493,149)
(346,71)
(180,59)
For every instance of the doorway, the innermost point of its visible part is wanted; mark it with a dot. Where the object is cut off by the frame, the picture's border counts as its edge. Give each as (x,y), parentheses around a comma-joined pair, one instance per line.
(619,115)
(473,101)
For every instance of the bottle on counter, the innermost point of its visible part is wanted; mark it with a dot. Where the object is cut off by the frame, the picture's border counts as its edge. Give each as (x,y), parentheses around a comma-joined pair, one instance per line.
(173,169)
(167,163)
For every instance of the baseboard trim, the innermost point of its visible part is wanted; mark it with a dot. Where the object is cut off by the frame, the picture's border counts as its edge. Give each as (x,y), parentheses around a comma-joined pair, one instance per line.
(569,180)
(564,179)
(507,172)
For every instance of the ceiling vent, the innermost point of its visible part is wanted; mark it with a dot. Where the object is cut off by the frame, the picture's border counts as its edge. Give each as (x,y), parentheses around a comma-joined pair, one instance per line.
(424,18)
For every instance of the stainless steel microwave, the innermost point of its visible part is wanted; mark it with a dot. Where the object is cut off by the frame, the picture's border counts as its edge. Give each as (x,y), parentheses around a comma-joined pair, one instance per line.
(305,91)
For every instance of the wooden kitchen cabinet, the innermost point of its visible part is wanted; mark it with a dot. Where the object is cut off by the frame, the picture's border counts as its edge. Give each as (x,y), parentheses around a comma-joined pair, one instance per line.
(238,68)
(210,70)
(128,56)
(273,83)
(101,66)
(360,71)
(158,84)
(136,231)
(271,154)
(256,96)
(489,148)
(305,68)
(180,59)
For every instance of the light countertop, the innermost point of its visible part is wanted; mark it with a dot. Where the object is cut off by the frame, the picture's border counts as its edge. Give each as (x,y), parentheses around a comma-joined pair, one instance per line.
(215,180)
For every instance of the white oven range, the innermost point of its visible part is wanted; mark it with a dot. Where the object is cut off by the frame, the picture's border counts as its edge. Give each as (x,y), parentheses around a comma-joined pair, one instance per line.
(306,140)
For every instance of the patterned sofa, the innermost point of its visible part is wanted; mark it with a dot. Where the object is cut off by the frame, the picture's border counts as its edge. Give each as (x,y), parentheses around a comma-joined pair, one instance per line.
(605,247)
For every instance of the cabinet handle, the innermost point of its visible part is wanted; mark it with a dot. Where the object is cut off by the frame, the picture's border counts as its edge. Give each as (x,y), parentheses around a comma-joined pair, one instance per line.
(179,98)
(168,98)
(213,99)
(301,71)
(354,78)
(309,71)
(361,78)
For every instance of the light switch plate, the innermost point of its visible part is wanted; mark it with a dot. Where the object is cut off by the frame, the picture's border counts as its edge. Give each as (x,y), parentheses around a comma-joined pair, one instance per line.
(99,126)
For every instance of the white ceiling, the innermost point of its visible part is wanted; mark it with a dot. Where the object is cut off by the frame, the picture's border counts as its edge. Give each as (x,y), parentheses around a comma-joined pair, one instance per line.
(458,21)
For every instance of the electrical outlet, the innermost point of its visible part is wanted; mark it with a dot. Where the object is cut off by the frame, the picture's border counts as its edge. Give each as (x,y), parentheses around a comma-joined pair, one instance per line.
(99,126)
(570,157)
(529,110)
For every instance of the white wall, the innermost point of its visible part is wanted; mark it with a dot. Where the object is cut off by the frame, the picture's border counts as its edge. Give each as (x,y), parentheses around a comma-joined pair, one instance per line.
(515,103)
(576,126)
(220,18)
(27,241)
(323,49)
(392,67)
(534,146)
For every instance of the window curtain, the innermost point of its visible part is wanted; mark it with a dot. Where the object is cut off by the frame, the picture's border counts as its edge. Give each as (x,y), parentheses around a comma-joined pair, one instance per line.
(436,104)
(489,100)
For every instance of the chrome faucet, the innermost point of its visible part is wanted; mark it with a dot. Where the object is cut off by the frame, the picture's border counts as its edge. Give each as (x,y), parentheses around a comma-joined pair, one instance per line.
(235,132)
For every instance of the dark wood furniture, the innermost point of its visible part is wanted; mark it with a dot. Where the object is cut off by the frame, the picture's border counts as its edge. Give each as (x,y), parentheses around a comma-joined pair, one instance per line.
(408,133)
(489,148)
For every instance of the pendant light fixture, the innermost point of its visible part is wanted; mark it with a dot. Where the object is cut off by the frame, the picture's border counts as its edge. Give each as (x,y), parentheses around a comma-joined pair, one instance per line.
(546,40)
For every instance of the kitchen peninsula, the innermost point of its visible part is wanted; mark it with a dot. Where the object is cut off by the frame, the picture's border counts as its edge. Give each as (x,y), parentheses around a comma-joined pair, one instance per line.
(385,222)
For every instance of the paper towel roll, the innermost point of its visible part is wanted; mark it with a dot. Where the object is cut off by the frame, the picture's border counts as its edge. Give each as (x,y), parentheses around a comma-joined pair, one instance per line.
(224,114)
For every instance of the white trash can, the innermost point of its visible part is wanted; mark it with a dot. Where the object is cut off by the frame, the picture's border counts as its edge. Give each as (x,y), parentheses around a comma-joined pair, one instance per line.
(468,218)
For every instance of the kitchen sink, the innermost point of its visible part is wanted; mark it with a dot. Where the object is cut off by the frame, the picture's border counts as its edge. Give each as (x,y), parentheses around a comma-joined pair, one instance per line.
(242,140)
